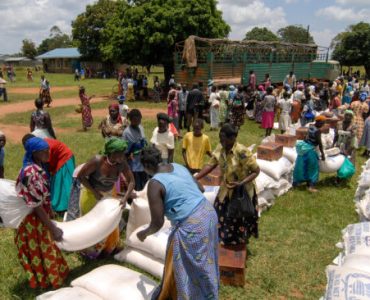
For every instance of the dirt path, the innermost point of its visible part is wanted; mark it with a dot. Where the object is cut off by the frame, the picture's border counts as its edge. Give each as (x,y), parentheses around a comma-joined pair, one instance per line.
(35,90)
(14,133)
(150,113)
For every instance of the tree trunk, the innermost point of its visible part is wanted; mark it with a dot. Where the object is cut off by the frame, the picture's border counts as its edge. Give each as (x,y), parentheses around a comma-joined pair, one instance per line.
(169,69)
(367,70)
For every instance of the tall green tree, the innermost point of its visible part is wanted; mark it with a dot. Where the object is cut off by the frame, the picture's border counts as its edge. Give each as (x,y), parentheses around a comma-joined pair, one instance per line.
(352,47)
(295,34)
(146,34)
(261,34)
(29,48)
(87,28)
(56,39)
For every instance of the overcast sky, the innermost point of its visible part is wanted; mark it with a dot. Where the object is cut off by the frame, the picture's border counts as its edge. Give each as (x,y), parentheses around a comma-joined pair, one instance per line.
(33,19)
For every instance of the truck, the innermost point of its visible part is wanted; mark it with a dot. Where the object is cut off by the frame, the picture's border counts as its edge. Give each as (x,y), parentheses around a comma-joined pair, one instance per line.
(222,61)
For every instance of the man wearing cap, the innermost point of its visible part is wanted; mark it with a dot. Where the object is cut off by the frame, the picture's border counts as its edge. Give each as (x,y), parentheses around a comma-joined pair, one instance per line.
(306,167)
(163,139)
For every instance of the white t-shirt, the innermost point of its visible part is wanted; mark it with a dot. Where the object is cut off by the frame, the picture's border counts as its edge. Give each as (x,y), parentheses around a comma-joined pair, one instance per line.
(213,99)
(163,141)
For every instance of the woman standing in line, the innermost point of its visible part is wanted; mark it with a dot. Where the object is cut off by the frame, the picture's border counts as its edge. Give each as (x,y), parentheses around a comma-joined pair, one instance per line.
(268,112)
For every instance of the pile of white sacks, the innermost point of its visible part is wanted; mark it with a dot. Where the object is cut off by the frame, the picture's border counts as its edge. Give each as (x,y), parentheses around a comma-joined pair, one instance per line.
(349,276)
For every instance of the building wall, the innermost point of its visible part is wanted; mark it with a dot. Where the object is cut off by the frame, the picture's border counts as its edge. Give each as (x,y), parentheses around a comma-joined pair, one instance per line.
(60,65)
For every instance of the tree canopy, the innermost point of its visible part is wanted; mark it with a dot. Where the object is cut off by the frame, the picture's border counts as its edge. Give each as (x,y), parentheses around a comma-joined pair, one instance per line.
(56,39)
(295,34)
(146,33)
(87,28)
(261,34)
(29,48)
(351,47)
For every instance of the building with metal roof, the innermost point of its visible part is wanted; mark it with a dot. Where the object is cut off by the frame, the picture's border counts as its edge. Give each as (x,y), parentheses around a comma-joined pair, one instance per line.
(61,60)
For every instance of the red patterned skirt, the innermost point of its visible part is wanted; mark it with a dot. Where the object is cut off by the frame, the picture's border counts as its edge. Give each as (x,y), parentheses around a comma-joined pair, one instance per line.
(38,254)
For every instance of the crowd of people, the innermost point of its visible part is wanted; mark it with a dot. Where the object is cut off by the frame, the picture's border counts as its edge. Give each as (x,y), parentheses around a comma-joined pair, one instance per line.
(49,183)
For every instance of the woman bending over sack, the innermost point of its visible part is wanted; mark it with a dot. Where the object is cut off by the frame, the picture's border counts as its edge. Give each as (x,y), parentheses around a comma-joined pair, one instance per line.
(191,265)
(35,236)
(306,167)
(238,170)
(98,177)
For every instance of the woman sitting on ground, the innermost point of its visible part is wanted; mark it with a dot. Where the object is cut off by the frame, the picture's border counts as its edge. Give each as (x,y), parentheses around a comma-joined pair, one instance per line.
(306,167)
(98,177)
(40,124)
(191,265)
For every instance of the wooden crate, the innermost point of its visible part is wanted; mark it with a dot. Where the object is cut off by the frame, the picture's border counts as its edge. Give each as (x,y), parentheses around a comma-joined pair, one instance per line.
(332,122)
(287,140)
(270,151)
(232,264)
(213,179)
(301,133)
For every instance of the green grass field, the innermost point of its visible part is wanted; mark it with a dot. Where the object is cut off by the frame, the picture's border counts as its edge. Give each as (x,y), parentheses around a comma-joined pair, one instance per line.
(297,235)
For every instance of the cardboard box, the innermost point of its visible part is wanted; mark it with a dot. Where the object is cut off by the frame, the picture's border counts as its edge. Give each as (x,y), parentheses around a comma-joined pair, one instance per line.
(287,140)
(270,151)
(232,264)
(301,133)
(213,179)
(332,122)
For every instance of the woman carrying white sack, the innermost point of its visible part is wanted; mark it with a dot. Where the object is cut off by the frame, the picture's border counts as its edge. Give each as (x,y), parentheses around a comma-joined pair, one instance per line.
(285,104)
(191,264)
(98,176)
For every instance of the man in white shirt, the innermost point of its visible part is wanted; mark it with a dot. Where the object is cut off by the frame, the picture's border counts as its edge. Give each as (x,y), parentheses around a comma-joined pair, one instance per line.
(163,139)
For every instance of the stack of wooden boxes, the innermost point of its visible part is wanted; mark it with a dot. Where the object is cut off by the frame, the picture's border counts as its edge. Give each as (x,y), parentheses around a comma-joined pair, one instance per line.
(270,151)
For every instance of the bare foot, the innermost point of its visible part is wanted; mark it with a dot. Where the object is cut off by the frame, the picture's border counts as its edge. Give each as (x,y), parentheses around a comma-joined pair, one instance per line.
(312,190)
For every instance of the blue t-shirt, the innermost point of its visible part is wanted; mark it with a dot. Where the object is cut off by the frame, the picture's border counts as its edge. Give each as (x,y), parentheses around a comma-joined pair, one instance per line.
(182,193)
(2,155)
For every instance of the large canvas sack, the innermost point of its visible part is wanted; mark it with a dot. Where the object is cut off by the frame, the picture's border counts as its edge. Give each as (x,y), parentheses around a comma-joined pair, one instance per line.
(267,195)
(69,293)
(142,260)
(155,244)
(284,187)
(263,181)
(290,153)
(275,169)
(364,180)
(113,282)
(13,209)
(91,228)
(331,164)
(363,208)
(358,262)
(210,193)
(346,283)
(356,239)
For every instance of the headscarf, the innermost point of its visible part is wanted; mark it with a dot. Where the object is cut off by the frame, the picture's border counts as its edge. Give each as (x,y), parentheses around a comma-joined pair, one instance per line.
(114,145)
(33,145)
(261,88)
(349,112)
(363,97)
(320,118)
(116,107)
(231,87)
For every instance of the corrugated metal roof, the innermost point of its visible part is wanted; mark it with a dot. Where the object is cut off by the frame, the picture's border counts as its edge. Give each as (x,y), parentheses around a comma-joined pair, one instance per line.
(61,53)
(17,59)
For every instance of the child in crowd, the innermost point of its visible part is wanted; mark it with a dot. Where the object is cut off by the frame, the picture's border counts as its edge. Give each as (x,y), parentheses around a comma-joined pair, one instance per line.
(194,146)
(163,139)
(285,104)
(2,153)
(135,137)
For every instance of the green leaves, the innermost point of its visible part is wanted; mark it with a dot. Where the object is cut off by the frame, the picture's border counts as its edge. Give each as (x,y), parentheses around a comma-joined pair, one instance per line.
(351,47)
(261,34)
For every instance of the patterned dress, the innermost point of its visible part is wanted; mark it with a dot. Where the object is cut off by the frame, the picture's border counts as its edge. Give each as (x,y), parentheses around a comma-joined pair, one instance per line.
(87,119)
(235,166)
(359,108)
(37,252)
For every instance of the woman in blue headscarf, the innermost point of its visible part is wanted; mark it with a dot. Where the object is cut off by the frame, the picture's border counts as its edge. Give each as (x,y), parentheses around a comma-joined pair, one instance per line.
(35,236)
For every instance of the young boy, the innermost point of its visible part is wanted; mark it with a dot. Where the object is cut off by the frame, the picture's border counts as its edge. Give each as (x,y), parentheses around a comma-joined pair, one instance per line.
(194,146)
(163,139)
(2,153)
